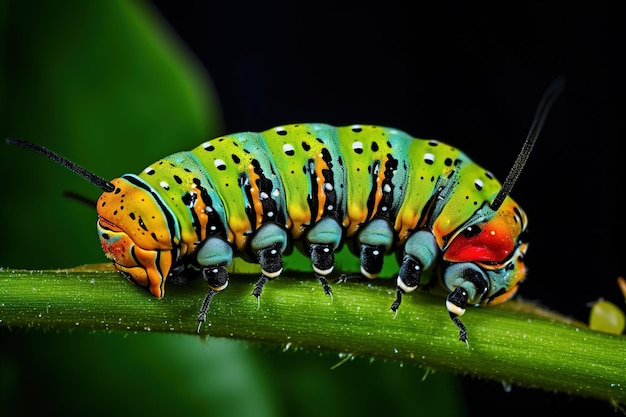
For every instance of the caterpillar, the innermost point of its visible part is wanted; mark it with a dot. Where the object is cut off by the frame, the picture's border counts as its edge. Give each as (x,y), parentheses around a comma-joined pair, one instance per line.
(317,187)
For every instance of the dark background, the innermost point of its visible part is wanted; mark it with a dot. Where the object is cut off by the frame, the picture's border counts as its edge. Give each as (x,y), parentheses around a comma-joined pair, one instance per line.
(464,73)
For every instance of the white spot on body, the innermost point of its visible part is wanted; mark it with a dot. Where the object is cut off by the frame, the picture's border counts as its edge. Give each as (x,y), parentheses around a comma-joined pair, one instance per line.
(288,149)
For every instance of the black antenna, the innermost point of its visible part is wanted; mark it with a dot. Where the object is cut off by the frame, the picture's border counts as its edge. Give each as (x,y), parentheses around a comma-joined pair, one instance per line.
(89,176)
(549,97)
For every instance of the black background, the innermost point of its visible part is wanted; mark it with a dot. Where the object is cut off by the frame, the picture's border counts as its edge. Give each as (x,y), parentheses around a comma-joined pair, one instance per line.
(467,74)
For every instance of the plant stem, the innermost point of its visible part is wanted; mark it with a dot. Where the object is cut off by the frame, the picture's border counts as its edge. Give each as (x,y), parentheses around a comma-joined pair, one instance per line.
(515,343)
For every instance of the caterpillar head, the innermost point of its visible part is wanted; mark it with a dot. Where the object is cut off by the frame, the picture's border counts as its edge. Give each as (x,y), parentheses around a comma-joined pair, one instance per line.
(484,260)
(143,243)
(137,234)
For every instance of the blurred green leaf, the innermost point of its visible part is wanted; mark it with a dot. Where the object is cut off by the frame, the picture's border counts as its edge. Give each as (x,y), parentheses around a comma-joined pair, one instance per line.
(112,374)
(103,83)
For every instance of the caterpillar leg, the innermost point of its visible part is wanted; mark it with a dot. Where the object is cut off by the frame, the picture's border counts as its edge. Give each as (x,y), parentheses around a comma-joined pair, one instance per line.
(323,239)
(408,279)
(375,239)
(269,243)
(323,261)
(217,278)
(420,252)
(468,284)
(456,302)
(215,255)
(271,261)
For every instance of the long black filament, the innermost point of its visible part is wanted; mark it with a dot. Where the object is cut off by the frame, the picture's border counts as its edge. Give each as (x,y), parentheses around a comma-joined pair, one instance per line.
(101,183)
(549,97)
(80,198)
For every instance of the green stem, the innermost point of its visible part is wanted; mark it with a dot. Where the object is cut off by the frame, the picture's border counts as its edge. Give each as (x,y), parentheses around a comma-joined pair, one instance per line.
(515,343)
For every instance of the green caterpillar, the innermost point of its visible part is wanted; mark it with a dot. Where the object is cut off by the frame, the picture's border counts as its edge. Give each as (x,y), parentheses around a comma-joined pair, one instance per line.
(315,186)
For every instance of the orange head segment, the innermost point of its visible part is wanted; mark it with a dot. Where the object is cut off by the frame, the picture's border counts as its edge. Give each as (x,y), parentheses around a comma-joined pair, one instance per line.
(138,233)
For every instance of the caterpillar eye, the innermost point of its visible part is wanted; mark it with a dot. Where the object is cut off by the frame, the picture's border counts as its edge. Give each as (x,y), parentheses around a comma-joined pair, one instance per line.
(472,231)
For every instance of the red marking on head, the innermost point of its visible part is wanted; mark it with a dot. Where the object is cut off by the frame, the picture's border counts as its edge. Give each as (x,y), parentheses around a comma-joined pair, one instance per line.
(493,243)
